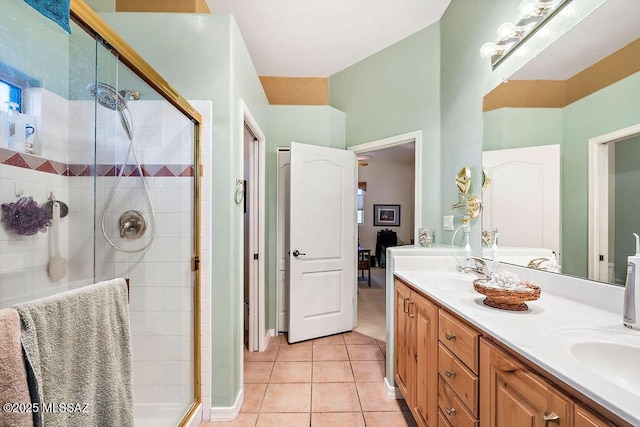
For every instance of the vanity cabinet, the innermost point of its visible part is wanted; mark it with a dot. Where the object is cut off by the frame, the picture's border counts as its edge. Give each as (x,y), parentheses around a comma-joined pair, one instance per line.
(453,375)
(512,395)
(416,336)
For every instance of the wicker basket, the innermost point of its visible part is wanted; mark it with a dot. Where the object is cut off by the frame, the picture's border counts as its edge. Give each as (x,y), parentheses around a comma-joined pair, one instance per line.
(507,299)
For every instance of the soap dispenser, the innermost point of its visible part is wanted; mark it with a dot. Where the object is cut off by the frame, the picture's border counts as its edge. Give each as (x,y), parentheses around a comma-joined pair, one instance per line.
(631,290)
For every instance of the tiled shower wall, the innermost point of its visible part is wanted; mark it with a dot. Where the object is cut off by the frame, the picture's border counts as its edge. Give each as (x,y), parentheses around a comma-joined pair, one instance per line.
(161,279)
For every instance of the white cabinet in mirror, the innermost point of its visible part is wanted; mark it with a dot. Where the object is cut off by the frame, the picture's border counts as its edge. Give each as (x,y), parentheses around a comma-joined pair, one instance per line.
(580,90)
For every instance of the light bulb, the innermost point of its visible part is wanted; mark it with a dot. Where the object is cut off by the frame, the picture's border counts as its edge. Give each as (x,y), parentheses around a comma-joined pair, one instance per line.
(488,50)
(528,8)
(506,31)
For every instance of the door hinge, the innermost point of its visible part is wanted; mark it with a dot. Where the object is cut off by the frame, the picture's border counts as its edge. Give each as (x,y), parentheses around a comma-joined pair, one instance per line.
(195,263)
(255,256)
(601,257)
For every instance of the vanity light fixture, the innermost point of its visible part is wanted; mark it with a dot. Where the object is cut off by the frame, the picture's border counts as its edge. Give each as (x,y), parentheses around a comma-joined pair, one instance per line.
(532,13)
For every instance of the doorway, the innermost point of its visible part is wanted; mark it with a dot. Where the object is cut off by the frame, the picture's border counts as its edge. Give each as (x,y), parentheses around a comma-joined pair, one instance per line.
(390,174)
(610,224)
(251,195)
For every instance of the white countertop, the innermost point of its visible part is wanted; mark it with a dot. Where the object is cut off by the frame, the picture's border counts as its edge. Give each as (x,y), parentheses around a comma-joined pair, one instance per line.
(543,334)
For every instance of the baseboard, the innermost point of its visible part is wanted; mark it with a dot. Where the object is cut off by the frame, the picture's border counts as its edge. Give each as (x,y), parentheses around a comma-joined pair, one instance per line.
(196,418)
(392,392)
(267,338)
(227,413)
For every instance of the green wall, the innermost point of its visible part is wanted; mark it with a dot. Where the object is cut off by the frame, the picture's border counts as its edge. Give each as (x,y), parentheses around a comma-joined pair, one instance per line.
(396,91)
(317,125)
(35,48)
(204,58)
(521,127)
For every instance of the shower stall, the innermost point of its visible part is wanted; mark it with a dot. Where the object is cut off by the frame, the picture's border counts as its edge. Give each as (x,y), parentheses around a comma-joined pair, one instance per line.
(87,127)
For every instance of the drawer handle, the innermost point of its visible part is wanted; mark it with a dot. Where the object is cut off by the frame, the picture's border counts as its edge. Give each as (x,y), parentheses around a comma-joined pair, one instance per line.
(450,374)
(449,411)
(404,305)
(450,337)
(411,314)
(551,418)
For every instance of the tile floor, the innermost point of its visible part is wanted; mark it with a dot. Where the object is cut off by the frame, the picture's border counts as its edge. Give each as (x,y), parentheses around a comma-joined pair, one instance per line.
(332,381)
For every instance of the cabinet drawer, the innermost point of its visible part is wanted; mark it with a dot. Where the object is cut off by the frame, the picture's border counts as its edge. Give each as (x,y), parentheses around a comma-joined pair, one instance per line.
(442,420)
(452,408)
(459,378)
(460,339)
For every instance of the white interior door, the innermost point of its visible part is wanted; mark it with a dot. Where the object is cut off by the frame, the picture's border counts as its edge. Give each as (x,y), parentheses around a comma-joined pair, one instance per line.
(523,198)
(323,245)
(284,177)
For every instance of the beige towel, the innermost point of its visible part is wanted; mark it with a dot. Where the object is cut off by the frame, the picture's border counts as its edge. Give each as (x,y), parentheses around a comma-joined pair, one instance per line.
(78,345)
(13,377)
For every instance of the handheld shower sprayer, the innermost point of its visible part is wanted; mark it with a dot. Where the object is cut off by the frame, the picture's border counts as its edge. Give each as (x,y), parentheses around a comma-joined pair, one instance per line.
(109,97)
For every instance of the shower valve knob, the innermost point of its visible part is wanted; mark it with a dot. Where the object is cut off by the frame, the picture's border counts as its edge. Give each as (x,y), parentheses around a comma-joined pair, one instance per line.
(132,224)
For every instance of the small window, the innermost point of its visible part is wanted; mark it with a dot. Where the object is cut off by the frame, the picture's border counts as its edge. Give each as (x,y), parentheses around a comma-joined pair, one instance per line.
(360,206)
(10,93)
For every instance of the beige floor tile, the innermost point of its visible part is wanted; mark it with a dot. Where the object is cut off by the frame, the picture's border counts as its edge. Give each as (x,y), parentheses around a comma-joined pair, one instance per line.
(373,397)
(358,338)
(295,353)
(389,419)
(257,372)
(337,371)
(383,346)
(286,398)
(330,352)
(337,419)
(334,397)
(365,352)
(253,396)
(291,372)
(283,420)
(243,420)
(368,370)
(333,339)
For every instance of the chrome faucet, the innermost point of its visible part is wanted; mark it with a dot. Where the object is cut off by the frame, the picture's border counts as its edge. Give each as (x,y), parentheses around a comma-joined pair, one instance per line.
(479,268)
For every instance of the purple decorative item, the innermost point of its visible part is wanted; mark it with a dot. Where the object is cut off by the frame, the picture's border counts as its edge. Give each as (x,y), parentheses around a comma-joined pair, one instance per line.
(25,217)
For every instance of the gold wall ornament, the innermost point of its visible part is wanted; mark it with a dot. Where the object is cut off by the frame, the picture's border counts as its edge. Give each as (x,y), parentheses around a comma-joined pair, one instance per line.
(474,207)
(486,180)
(463,180)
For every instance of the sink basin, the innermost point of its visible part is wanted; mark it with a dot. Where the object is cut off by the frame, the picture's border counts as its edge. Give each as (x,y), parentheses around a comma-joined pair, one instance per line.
(616,362)
(613,355)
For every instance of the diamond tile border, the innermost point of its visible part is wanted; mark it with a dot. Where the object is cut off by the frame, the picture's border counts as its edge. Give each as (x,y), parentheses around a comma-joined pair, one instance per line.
(37,163)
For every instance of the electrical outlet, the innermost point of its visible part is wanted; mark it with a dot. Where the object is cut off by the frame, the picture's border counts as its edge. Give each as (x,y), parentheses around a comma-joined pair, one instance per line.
(447,223)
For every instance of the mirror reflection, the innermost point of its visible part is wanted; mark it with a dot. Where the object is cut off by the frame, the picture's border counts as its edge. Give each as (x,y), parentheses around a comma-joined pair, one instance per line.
(538,127)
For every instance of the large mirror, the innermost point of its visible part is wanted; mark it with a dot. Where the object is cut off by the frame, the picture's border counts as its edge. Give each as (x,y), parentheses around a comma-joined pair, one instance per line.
(561,146)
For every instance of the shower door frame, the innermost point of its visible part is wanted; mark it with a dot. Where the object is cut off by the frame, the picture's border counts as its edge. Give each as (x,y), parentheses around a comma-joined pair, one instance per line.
(86,18)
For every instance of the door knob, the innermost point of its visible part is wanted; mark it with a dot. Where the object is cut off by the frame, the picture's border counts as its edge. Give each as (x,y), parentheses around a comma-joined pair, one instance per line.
(297,252)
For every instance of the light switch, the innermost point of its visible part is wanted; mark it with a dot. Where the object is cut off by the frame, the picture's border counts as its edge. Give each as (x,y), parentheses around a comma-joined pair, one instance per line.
(447,223)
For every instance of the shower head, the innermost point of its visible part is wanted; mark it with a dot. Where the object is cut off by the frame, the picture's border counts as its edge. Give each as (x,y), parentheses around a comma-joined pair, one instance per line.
(107,96)
(110,98)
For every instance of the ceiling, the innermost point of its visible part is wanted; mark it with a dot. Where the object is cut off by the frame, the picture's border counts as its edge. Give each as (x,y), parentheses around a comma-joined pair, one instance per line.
(611,27)
(314,38)
(403,153)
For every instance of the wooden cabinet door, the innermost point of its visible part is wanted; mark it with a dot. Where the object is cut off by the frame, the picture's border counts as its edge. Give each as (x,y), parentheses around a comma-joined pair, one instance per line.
(513,396)
(585,418)
(404,361)
(424,315)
